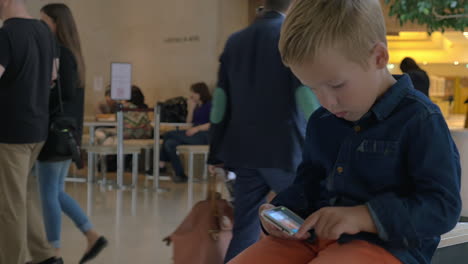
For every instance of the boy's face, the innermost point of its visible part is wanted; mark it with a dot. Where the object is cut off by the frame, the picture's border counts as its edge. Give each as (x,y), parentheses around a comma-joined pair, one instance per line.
(342,86)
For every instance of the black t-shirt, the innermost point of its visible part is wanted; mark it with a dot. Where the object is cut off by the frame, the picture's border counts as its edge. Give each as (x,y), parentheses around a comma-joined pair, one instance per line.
(26,53)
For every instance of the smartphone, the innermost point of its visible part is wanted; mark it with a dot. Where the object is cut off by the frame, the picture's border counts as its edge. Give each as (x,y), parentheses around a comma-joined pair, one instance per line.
(284,219)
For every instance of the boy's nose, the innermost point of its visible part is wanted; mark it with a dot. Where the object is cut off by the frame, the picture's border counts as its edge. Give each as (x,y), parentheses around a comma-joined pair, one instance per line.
(328,101)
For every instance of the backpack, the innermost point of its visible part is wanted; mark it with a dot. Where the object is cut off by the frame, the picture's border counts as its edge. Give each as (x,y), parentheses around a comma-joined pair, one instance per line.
(174,110)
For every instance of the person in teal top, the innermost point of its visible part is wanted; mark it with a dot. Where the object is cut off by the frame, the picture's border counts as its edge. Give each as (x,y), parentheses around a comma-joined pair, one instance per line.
(258,120)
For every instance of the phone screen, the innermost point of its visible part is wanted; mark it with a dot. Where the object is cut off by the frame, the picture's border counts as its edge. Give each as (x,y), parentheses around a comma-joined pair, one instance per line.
(285,219)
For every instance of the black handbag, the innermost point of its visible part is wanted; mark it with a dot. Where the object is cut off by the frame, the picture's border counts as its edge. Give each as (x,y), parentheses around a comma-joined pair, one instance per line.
(61,141)
(174,110)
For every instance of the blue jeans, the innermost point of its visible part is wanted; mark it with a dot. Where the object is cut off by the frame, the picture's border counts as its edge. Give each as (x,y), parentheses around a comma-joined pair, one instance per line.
(250,190)
(172,139)
(51,176)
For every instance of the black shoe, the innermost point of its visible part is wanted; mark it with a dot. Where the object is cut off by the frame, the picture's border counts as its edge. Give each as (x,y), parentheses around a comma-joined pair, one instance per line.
(52,261)
(100,244)
(179,178)
(161,170)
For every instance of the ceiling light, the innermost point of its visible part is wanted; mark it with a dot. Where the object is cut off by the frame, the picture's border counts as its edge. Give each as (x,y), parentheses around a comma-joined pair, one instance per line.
(456,62)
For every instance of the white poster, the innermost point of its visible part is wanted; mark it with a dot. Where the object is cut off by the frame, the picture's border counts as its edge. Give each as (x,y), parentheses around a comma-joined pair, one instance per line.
(121,81)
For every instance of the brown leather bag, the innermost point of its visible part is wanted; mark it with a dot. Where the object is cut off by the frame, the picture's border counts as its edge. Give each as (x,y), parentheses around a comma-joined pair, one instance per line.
(204,235)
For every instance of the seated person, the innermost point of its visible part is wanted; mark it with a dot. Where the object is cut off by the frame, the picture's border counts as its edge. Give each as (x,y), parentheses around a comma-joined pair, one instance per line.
(137,125)
(380,177)
(199,107)
(107,106)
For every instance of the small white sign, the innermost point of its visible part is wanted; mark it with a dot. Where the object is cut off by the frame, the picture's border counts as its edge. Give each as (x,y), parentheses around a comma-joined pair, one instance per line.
(121,81)
(98,84)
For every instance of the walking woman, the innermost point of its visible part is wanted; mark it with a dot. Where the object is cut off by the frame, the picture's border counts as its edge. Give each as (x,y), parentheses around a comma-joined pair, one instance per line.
(52,167)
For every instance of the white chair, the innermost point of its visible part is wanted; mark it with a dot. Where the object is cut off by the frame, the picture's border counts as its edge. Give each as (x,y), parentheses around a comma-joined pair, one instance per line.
(145,144)
(460,137)
(453,247)
(191,151)
(103,151)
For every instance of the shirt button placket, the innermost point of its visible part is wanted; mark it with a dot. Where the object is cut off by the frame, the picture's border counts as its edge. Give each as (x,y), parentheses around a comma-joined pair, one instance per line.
(340,170)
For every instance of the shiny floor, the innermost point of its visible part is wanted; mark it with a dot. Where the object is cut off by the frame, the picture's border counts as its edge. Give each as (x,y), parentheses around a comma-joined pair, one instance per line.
(134,221)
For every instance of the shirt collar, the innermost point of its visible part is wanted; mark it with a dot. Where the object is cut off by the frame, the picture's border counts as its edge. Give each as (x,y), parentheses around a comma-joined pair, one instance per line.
(392,97)
(272,14)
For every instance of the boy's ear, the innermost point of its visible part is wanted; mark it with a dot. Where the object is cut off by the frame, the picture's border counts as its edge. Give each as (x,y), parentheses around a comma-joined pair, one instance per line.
(381,56)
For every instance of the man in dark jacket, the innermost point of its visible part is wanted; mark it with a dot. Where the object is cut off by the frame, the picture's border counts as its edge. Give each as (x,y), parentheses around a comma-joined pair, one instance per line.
(258,120)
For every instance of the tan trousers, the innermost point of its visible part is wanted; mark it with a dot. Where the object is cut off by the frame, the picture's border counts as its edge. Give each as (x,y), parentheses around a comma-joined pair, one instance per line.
(21,223)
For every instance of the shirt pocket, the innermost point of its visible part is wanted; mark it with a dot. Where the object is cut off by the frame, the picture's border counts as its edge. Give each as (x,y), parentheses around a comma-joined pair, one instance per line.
(377,164)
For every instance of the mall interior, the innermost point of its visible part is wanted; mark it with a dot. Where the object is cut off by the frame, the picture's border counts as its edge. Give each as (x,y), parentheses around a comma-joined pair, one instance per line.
(171,45)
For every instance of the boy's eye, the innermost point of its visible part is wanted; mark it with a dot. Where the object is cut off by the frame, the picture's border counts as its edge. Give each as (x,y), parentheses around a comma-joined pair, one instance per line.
(338,85)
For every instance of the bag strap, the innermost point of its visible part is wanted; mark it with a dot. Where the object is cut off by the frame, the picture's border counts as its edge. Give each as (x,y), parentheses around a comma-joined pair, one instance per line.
(58,82)
(212,194)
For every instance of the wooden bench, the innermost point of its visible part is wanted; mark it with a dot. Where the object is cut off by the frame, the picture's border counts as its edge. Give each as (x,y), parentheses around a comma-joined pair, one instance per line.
(103,151)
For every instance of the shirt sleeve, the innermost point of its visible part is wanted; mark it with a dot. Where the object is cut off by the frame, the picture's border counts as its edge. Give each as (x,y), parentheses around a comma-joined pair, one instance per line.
(219,111)
(303,196)
(432,207)
(5,50)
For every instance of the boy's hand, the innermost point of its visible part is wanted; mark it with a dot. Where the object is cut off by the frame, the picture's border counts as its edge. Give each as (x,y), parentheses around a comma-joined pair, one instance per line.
(331,222)
(272,229)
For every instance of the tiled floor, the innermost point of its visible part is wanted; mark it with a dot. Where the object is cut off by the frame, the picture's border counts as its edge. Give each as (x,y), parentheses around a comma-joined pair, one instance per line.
(134,221)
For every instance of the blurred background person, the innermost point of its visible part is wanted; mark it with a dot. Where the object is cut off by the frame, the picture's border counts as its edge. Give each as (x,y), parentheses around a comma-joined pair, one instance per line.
(418,76)
(52,167)
(259,116)
(26,63)
(199,107)
(107,106)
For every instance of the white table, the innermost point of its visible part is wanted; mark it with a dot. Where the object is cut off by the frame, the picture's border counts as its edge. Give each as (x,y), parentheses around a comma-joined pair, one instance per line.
(157,127)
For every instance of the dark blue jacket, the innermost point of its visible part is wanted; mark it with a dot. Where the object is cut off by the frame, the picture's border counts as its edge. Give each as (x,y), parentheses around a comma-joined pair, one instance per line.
(263,126)
(399,160)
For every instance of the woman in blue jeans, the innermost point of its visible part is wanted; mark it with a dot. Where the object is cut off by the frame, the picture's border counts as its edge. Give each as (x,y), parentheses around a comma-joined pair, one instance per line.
(199,107)
(52,168)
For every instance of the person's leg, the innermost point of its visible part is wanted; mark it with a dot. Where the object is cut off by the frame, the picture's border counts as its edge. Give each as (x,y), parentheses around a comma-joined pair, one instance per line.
(48,175)
(72,209)
(277,179)
(250,190)
(171,141)
(276,251)
(39,248)
(69,206)
(13,181)
(355,252)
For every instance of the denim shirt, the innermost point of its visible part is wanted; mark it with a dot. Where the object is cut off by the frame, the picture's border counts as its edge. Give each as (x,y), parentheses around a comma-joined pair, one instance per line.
(399,160)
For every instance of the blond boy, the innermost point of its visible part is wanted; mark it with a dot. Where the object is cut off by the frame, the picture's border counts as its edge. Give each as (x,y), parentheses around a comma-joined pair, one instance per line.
(380,176)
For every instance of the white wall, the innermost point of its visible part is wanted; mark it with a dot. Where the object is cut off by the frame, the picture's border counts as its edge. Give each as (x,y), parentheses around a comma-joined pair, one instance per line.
(137,31)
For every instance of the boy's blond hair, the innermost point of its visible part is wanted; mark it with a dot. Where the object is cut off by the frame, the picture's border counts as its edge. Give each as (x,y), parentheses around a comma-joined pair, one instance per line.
(352,27)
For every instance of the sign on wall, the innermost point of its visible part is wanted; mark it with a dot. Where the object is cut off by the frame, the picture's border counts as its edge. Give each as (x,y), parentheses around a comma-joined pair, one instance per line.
(121,81)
